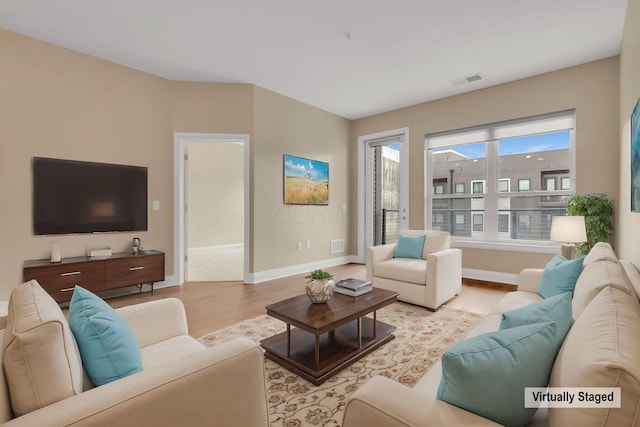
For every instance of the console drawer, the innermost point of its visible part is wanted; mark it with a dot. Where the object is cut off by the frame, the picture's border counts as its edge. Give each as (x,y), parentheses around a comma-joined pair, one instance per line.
(135,270)
(59,280)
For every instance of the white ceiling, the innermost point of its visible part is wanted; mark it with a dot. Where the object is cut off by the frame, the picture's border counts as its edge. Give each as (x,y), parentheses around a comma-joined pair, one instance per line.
(399,53)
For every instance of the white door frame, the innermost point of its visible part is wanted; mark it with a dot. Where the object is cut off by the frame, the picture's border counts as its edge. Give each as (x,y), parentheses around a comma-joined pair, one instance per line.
(365,187)
(180,141)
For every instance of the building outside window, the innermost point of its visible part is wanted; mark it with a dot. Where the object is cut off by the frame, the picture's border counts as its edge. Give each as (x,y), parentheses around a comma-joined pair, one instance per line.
(535,153)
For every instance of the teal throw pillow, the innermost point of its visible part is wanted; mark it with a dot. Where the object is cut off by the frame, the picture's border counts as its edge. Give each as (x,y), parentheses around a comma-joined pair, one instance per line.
(554,309)
(487,374)
(409,246)
(108,347)
(559,276)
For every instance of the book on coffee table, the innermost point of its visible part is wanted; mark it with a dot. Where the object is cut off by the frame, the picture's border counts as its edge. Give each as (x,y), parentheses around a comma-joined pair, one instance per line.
(353,284)
(353,293)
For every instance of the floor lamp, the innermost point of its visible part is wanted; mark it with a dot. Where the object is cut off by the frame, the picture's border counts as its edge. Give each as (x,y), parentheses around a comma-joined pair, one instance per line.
(569,230)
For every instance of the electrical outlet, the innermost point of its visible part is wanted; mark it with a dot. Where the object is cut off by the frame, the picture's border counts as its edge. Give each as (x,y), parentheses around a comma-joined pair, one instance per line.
(299,245)
(308,244)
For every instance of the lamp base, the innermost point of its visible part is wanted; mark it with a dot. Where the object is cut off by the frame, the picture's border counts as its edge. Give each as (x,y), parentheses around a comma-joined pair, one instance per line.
(568,250)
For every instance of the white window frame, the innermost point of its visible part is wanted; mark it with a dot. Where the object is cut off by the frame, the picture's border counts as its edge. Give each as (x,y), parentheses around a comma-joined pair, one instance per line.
(456,188)
(508,181)
(492,133)
(522,181)
(479,181)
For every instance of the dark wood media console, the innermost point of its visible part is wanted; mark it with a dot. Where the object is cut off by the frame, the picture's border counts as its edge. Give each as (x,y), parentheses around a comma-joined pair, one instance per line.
(95,273)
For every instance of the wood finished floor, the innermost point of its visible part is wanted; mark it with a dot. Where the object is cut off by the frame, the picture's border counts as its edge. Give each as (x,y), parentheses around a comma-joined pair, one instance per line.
(215,305)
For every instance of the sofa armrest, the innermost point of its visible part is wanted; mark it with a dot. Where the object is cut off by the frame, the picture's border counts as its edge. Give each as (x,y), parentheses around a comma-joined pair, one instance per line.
(156,321)
(223,385)
(376,254)
(385,403)
(528,279)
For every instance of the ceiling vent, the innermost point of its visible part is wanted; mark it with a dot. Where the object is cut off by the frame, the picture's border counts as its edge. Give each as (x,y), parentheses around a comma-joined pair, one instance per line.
(465,80)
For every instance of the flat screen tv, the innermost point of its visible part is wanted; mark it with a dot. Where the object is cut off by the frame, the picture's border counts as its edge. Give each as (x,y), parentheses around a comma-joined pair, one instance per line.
(85,197)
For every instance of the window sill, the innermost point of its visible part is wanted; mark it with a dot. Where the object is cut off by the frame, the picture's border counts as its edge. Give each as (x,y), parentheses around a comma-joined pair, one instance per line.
(541,248)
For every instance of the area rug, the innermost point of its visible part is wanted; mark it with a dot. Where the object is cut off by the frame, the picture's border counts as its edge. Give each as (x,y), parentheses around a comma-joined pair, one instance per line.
(421,338)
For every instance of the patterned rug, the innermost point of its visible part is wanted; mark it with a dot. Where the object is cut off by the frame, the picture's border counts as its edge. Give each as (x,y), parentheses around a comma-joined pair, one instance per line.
(421,338)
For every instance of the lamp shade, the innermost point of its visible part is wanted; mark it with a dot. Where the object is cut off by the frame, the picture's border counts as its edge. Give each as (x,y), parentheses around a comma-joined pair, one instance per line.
(568,229)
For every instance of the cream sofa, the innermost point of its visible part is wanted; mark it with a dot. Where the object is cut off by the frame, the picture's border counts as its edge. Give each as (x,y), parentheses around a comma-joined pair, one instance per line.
(428,282)
(182,382)
(601,349)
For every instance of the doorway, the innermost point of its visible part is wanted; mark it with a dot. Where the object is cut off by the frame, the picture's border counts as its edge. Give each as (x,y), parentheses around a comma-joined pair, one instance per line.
(211,207)
(383,185)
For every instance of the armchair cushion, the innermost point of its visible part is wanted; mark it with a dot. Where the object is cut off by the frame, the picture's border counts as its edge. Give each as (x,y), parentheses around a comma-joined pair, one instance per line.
(435,241)
(409,246)
(404,269)
(108,347)
(39,353)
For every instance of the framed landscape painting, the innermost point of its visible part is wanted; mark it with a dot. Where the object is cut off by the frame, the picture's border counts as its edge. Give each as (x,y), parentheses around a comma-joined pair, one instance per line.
(635,158)
(306,181)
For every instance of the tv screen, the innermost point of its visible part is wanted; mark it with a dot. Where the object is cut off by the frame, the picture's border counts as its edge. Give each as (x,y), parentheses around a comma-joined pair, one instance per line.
(85,197)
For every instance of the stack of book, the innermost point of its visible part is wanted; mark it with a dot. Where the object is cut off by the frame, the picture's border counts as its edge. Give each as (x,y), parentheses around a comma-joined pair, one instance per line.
(353,287)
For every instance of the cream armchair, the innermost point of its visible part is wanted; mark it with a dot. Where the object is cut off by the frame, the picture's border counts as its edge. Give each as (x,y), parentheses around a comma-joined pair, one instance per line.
(428,282)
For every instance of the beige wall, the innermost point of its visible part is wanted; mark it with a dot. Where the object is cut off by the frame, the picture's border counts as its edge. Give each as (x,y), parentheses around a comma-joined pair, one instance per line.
(628,246)
(58,103)
(215,193)
(592,89)
(284,126)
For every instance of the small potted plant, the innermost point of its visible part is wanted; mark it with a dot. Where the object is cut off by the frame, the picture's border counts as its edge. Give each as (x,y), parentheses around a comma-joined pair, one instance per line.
(319,286)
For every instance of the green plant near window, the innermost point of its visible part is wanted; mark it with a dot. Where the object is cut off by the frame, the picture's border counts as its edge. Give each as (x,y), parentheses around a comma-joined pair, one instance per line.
(597,209)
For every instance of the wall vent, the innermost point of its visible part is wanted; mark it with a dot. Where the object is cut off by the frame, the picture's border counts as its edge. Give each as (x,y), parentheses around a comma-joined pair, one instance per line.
(337,246)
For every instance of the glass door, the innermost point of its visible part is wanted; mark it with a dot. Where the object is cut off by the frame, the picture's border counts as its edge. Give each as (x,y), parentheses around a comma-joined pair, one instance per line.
(386,188)
(386,193)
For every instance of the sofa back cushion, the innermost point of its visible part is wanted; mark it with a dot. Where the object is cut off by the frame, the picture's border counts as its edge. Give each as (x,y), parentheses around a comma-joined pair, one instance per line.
(601,251)
(601,350)
(39,354)
(595,277)
(435,241)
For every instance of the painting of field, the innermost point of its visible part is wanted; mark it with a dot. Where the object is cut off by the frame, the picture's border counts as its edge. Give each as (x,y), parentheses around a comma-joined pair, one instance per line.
(306,182)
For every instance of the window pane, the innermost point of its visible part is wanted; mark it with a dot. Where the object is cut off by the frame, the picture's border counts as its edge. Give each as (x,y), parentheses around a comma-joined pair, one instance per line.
(530,217)
(528,164)
(478,222)
(550,184)
(503,223)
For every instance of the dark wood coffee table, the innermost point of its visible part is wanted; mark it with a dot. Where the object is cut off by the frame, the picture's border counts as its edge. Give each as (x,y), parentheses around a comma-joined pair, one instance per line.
(327,337)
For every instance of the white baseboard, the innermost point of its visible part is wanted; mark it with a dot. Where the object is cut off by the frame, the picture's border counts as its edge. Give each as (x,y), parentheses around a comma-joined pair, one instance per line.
(490,276)
(263,276)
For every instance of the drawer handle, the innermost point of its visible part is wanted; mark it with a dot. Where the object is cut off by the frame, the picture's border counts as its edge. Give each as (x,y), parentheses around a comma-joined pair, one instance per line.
(136,268)
(66,290)
(71,273)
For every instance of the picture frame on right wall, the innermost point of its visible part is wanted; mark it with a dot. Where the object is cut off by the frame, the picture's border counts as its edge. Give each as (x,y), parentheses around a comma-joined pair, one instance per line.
(635,158)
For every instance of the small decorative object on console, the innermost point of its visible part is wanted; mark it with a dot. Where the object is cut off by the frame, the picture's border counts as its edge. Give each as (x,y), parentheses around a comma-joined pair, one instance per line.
(319,286)
(135,247)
